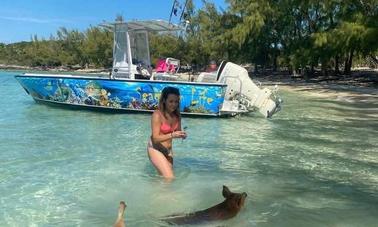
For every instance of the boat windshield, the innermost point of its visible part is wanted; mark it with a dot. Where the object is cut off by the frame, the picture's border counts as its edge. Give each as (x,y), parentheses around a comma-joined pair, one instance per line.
(139,48)
(120,46)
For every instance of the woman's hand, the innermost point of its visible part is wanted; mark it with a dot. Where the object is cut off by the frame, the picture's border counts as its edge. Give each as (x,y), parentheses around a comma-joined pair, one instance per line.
(178,134)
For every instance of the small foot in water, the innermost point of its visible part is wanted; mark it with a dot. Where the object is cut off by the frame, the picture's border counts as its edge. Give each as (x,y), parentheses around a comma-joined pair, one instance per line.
(121,212)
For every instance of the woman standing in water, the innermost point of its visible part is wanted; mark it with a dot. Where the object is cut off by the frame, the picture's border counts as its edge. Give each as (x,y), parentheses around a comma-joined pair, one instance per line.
(165,126)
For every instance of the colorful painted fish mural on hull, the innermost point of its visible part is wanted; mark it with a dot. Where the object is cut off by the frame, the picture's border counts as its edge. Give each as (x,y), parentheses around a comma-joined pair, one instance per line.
(138,95)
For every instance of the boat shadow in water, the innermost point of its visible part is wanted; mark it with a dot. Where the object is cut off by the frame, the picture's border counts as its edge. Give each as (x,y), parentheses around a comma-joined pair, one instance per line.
(106,110)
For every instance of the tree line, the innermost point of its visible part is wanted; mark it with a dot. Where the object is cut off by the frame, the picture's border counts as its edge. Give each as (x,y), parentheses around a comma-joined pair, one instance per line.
(66,48)
(299,35)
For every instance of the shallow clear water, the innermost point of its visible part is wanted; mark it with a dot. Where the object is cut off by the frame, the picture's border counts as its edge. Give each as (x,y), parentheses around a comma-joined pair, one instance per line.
(314,164)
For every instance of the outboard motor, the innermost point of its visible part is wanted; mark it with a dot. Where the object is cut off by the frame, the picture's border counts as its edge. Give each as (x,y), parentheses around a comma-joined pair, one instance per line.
(243,94)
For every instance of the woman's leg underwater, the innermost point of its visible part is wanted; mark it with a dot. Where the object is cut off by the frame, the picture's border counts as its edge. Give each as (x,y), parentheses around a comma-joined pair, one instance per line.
(161,163)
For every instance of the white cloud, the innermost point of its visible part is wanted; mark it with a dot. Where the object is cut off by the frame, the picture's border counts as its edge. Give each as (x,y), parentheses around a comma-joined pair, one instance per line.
(36,20)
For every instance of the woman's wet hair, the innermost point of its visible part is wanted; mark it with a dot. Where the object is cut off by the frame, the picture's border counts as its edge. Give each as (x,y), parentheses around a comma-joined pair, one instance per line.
(164,96)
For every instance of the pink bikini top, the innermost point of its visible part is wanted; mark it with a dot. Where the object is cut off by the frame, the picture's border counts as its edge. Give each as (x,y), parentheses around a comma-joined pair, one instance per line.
(166,128)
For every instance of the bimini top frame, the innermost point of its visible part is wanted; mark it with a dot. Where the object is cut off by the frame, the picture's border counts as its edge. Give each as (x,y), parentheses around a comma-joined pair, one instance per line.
(131,51)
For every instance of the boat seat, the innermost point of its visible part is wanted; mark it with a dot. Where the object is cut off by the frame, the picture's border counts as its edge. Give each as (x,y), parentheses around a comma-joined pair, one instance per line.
(164,76)
(207,77)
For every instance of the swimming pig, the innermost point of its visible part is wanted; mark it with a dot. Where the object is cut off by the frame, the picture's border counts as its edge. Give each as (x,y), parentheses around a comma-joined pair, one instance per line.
(227,209)
(121,212)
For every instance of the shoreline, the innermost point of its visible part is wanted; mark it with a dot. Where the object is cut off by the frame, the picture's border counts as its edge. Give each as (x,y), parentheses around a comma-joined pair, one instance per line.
(360,82)
(347,93)
(336,91)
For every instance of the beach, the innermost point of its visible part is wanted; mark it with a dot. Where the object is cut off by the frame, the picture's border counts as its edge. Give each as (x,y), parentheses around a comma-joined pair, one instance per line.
(360,85)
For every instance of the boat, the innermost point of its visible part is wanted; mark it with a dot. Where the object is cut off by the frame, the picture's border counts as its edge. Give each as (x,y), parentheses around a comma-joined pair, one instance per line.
(133,86)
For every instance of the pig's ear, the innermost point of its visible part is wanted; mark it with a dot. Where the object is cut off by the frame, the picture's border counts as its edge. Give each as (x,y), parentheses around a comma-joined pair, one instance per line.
(226,192)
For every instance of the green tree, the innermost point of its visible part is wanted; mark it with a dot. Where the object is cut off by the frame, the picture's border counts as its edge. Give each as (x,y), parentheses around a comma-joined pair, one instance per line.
(71,43)
(97,47)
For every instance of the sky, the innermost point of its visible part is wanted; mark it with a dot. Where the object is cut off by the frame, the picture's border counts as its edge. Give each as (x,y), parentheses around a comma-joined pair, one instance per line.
(21,19)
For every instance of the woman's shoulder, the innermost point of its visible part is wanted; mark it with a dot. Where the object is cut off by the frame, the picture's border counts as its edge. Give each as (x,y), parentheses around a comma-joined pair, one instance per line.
(157,114)
(156,118)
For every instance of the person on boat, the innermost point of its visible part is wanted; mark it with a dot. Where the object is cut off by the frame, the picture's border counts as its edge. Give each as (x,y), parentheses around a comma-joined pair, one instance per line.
(165,126)
(212,67)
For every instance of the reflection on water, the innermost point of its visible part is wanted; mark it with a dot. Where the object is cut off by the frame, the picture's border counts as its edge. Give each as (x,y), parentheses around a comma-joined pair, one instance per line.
(314,164)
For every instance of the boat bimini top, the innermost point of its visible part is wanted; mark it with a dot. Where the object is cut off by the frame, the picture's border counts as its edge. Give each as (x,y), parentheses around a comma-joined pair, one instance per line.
(131,53)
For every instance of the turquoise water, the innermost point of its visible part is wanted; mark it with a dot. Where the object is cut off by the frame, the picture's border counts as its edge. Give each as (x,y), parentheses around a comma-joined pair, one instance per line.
(314,164)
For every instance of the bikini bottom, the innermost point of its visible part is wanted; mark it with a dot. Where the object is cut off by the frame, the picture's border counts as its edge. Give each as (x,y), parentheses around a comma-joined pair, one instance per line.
(165,151)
